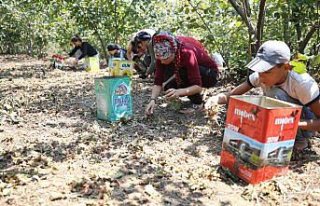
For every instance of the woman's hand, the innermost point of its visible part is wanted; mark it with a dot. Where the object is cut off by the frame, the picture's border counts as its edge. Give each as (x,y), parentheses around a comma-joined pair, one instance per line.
(71,61)
(150,107)
(156,89)
(172,93)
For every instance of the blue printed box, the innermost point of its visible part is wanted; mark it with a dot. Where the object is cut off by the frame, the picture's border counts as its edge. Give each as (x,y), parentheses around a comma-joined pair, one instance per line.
(113,96)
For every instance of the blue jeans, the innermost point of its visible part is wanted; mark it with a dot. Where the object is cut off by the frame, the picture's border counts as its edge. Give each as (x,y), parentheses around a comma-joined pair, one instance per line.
(280,94)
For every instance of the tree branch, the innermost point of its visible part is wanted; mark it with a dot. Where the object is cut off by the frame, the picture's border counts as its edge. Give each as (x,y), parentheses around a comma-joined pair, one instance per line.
(116,21)
(202,19)
(244,17)
(247,6)
(304,42)
(127,12)
(260,22)
(285,22)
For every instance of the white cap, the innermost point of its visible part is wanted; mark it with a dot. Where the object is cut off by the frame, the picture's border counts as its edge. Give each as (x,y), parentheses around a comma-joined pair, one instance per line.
(270,54)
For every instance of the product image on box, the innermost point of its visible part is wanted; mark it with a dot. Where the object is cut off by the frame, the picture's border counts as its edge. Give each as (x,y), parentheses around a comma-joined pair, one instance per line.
(259,137)
(256,154)
(121,67)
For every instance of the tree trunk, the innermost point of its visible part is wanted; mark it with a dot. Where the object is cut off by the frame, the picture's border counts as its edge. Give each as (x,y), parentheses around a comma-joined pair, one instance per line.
(243,12)
(285,24)
(102,43)
(304,42)
(260,24)
(251,47)
(244,17)
(116,38)
(30,37)
(296,22)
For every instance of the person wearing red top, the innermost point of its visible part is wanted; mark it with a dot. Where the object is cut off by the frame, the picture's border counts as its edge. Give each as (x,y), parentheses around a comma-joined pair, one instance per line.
(183,68)
(193,41)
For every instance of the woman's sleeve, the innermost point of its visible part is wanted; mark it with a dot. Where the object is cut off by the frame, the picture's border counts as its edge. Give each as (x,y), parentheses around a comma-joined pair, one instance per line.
(190,62)
(84,50)
(153,59)
(159,74)
(73,51)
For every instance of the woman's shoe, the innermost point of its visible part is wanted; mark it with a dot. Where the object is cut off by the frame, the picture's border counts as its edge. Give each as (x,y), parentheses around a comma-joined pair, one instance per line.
(194,108)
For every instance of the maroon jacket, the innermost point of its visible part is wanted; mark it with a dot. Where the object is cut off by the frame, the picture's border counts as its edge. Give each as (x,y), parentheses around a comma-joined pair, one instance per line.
(192,56)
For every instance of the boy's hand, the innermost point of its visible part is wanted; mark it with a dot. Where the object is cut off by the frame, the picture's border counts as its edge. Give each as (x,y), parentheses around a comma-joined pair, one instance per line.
(172,94)
(211,102)
(303,124)
(215,100)
(71,61)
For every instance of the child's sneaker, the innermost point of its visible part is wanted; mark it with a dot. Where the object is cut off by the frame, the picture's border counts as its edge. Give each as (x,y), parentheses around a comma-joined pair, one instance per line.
(301,144)
(302,150)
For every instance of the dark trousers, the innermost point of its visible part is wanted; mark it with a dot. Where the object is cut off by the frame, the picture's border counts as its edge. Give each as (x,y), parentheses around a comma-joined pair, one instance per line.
(141,65)
(208,77)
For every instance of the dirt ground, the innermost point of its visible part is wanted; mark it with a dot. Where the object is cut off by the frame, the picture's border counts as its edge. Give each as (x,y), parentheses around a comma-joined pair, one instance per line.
(53,150)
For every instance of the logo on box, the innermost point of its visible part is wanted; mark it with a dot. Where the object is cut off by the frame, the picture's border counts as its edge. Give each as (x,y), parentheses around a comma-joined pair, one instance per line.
(284,120)
(244,114)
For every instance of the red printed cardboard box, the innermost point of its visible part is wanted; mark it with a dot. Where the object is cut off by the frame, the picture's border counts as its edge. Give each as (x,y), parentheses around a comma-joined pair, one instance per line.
(259,137)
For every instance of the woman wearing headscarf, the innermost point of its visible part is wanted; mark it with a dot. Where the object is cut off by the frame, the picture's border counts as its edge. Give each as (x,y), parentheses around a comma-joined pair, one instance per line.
(141,46)
(183,68)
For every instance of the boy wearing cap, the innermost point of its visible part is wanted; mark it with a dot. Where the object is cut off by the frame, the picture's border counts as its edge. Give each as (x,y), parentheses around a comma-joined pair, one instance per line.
(273,73)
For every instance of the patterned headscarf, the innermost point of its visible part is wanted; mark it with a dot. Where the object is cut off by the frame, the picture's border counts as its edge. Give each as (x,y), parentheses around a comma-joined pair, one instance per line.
(165,45)
(163,50)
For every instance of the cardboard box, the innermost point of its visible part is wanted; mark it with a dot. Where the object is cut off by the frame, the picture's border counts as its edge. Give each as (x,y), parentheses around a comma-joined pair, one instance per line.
(92,64)
(122,67)
(113,96)
(259,137)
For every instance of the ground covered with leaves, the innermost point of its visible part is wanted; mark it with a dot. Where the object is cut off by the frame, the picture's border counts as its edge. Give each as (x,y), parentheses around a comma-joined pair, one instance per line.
(53,150)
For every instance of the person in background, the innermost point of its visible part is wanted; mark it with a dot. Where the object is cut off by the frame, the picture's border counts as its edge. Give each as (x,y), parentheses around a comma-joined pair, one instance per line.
(191,40)
(140,50)
(217,57)
(84,50)
(184,67)
(273,73)
(115,51)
